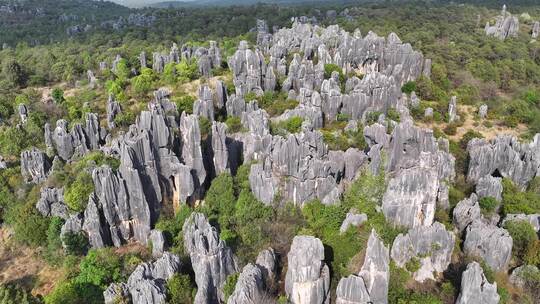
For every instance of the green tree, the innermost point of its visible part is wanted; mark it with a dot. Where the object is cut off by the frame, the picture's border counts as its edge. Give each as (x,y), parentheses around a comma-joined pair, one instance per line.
(13,294)
(122,70)
(169,73)
(14,73)
(76,243)
(142,84)
(522,234)
(187,70)
(57,95)
(180,289)
(100,267)
(77,193)
(220,200)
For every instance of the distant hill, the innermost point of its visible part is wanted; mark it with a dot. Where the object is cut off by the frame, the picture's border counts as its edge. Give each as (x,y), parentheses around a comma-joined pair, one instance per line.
(175,4)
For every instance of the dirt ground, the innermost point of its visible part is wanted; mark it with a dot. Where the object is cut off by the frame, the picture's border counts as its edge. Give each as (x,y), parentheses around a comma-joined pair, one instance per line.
(23,265)
(471,122)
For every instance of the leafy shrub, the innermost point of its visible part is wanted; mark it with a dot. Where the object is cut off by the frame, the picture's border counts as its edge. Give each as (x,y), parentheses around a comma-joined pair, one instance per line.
(488,204)
(77,193)
(180,289)
(413,264)
(220,200)
(516,201)
(291,125)
(205,126)
(185,104)
(142,83)
(230,284)
(29,225)
(13,294)
(522,234)
(408,87)
(234,124)
(76,243)
(57,95)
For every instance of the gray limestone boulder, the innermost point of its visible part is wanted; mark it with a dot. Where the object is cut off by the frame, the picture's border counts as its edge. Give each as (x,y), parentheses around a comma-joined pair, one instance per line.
(432,246)
(191,146)
(352,219)
(35,166)
(204,106)
(466,212)
(491,243)
(159,243)
(411,196)
(250,287)
(219,147)
(51,203)
(212,260)
(504,156)
(489,186)
(113,109)
(522,274)
(267,261)
(483,111)
(23,113)
(308,277)
(452,110)
(535,30)
(506,26)
(146,284)
(475,288)
(371,284)
(428,113)
(376,134)
(354,159)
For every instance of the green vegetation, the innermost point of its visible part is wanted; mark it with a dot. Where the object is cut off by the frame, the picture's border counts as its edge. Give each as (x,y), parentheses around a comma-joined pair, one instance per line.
(523,234)
(230,284)
(488,205)
(180,289)
(77,192)
(13,294)
(291,125)
(517,201)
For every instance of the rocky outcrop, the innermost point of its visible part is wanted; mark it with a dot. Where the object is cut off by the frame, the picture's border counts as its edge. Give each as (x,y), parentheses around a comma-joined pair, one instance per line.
(475,288)
(452,110)
(308,277)
(80,140)
(204,106)
(466,212)
(312,171)
(23,113)
(491,243)
(147,283)
(535,30)
(432,246)
(522,274)
(219,147)
(191,147)
(533,219)
(483,111)
(51,203)
(35,166)
(489,186)
(250,287)
(212,260)
(159,243)
(410,198)
(504,156)
(352,219)
(113,109)
(506,26)
(371,284)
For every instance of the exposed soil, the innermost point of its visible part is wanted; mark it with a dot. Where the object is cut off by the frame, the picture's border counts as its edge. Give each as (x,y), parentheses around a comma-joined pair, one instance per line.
(23,265)
(472,122)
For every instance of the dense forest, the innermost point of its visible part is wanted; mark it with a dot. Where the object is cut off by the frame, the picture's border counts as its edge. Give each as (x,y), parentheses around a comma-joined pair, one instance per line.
(64,61)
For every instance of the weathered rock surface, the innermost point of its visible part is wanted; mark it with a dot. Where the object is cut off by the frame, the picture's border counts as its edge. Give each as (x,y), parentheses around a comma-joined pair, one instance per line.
(250,287)
(491,243)
(371,284)
(506,26)
(410,198)
(475,288)
(35,166)
(352,219)
(80,140)
(535,30)
(212,260)
(466,212)
(489,186)
(159,243)
(452,110)
(147,283)
(483,111)
(219,147)
(522,274)
(308,277)
(51,203)
(432,246)
(504,156)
